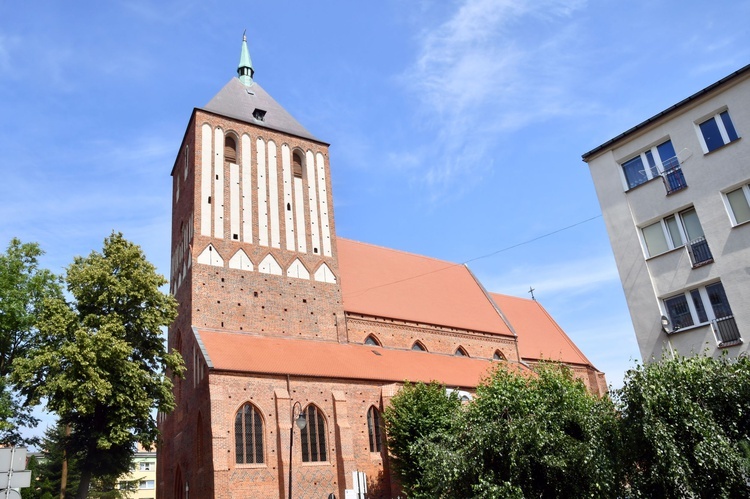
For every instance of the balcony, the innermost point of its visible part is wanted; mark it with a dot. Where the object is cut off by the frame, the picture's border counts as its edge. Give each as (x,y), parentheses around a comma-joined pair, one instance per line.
(672,175)
(700,253)
(726,331)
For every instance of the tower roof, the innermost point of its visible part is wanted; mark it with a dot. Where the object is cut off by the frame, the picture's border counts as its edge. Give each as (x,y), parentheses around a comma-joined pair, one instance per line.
(252,104)
(243,99)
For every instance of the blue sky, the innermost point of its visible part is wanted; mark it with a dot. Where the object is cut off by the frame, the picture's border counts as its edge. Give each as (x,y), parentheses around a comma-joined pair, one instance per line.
(456,127)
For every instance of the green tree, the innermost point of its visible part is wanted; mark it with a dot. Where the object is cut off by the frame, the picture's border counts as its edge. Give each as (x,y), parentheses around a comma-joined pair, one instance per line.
(524,435)
(46,472)
(686,423)
(23,288)
(418,413)
(100,362)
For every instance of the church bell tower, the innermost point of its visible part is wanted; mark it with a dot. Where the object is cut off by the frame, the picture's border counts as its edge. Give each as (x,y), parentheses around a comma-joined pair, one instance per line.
(253,236)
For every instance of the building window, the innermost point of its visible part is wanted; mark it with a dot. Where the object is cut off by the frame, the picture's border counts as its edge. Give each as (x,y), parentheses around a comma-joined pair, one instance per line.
(248,436)
(145,466)
(230,149)
(707,304)
(372,340)
(717,131)
(498,355)
(738,203)
(147,484)
(374,430)
(660,160)
(673,231)
(418,347)
(313,436)
(460,352)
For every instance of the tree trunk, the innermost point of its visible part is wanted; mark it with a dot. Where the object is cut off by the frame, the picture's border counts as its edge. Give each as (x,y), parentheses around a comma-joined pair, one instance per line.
(64,478)
(83,487)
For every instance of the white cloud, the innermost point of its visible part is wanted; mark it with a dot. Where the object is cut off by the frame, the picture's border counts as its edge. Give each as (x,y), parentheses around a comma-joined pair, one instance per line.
(570,278)
(495,66)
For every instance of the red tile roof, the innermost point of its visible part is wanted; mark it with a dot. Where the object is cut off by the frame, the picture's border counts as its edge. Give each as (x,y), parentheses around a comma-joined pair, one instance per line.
(539,336)
(248,353)
(384,282)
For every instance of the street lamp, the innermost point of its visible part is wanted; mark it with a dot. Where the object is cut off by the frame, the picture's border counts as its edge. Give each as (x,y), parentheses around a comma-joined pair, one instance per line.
(301,422)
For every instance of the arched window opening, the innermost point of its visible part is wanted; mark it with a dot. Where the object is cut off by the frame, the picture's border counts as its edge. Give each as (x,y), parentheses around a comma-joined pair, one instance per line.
(313,436)
(498,355)
(297,164)
(374,429)
(248,436)
(230,149)
(372,340)
(199,440)
(460,352)
(179,488)
(418,347)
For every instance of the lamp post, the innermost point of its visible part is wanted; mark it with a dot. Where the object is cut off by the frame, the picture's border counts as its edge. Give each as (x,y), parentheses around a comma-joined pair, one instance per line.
(301,422)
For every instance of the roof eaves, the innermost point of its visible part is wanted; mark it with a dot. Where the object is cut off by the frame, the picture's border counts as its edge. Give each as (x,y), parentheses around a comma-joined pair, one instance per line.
(262,125)
(669,110)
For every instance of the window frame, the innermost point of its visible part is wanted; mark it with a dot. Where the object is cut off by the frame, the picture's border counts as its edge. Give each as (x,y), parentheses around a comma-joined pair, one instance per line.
(704,316)
(314,417)
(375,429)
(667,232)
(745,188)
(647,157)
(256,416)
(724,133)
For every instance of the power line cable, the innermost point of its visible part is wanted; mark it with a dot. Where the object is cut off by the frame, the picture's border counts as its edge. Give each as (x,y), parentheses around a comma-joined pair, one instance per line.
(488,255)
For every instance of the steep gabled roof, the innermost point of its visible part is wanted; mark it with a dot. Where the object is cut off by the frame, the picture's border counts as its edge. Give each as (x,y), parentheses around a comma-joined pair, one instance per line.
(388,283)
(246,353)
(238,101)
(539,336)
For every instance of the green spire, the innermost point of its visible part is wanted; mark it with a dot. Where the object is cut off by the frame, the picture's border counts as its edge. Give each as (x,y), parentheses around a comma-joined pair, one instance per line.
(245,69)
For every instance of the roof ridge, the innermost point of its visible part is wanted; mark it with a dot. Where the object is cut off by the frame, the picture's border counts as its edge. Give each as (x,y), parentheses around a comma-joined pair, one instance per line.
(404,252)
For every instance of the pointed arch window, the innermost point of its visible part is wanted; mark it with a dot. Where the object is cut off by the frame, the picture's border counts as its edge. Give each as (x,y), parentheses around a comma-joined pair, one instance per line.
(313,436)
(372,341)
(375,429)
(418,347)
(297,164)
(230,149)
(199,440)
(498,355)
(461,352)
(248,435)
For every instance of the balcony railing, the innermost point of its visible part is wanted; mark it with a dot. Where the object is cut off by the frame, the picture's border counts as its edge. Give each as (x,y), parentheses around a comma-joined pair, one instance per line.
(674,180)
(700,253)
(726,331)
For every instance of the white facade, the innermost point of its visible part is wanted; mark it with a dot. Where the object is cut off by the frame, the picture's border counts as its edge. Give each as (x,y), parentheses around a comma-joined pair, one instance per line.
(674,193)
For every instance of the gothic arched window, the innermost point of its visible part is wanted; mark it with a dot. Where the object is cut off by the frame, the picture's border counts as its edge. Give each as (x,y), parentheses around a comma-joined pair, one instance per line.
(418,346)
(313,436)
(498,355)
(374,429)
(372,340)
(230,149)
(248,435)
(460,352)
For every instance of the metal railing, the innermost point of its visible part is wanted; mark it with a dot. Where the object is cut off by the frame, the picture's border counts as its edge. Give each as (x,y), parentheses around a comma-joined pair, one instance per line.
(674,180)
(700,253)
(726,331)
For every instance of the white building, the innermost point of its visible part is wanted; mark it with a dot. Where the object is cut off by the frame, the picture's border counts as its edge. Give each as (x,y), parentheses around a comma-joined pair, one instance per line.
(675,198)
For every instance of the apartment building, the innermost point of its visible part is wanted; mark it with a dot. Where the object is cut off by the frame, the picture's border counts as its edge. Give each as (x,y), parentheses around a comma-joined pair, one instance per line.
(675,196)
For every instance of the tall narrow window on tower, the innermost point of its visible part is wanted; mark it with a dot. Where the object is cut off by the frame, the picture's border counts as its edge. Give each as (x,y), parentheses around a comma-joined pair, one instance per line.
(297,165)
(230,149)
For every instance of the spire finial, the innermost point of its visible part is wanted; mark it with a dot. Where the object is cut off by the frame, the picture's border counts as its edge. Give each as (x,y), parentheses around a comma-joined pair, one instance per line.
(245,69)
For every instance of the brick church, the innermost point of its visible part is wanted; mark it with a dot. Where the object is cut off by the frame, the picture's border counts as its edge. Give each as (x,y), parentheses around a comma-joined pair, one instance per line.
(282,323)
